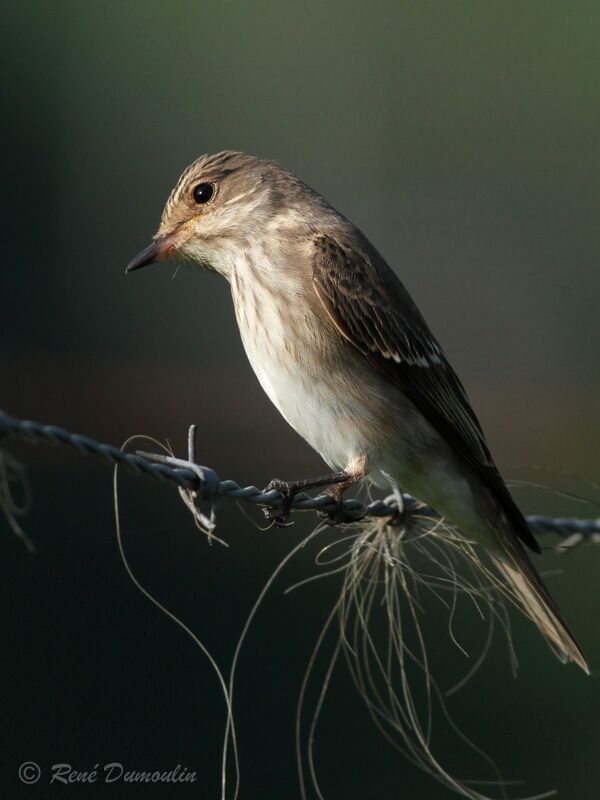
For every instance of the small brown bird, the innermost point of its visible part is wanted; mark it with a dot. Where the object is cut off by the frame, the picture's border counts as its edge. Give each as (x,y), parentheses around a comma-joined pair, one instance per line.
(343,352)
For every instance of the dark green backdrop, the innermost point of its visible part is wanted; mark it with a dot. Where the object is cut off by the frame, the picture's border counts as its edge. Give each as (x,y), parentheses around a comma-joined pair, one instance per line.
(464,139)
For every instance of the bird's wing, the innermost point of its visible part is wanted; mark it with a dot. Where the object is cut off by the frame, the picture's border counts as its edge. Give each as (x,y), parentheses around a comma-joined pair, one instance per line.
(371,308)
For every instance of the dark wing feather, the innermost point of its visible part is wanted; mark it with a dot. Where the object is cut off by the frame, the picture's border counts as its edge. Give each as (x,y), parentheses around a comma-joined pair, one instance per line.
(372,309)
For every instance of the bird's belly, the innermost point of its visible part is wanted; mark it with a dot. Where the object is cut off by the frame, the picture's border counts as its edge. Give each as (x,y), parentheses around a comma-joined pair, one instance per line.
(347,416)
(329,394)
(313,406)
(315,394)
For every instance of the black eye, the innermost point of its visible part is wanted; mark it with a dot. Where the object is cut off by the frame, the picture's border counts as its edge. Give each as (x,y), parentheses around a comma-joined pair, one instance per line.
(203,192)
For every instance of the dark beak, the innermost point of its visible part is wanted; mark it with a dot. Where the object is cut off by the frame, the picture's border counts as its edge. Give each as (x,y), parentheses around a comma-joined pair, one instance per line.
(157,251)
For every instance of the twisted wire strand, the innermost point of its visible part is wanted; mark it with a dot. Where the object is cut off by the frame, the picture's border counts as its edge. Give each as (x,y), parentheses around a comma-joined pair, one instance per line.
(210,487)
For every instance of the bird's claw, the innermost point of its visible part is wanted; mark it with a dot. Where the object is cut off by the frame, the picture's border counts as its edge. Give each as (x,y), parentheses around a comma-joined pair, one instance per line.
(280,516)
(336,515)
(336,484)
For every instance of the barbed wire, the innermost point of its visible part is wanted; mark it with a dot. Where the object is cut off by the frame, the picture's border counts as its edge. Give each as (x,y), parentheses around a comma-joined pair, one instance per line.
(208,486)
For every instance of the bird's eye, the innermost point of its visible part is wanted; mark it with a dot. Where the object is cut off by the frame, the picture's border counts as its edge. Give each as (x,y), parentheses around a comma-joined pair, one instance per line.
(203,192)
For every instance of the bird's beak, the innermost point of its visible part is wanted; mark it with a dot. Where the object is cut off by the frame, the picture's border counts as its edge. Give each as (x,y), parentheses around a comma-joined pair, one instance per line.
(159,250)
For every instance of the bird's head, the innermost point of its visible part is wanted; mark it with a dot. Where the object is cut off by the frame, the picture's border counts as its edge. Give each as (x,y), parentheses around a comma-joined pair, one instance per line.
(217,208)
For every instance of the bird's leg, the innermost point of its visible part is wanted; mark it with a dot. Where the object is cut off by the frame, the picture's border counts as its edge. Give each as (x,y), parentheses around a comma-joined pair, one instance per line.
(335,485)
(354,473)
(289,489)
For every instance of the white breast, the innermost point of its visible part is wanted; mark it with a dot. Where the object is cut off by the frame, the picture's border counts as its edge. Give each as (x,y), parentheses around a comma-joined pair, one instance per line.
(285,352)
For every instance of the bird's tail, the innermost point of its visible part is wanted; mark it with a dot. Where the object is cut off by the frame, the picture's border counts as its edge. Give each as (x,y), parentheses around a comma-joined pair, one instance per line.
(527,590)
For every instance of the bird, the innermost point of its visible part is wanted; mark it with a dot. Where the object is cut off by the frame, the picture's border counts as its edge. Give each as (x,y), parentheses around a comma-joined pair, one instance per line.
(347,358)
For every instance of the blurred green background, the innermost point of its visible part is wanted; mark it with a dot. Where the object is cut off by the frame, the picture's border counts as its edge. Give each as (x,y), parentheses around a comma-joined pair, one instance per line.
(464,139)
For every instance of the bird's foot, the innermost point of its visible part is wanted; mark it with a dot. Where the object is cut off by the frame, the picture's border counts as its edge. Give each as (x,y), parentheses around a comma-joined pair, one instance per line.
(289,489)
(336,514)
